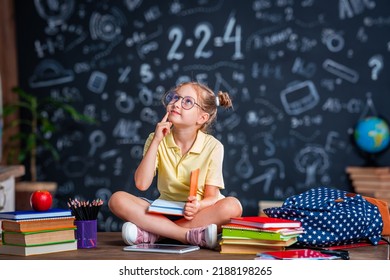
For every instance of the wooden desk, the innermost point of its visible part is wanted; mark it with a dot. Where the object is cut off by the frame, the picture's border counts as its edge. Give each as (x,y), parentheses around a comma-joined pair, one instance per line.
(110,246)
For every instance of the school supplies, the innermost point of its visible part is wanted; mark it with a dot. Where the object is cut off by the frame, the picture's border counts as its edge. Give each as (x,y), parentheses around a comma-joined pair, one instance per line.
(30,232)
(85,210)
(86,214)
(255,234)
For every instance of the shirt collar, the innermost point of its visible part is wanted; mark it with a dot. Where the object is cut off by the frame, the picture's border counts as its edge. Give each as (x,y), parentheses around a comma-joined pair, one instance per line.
(199,143)
(196,148)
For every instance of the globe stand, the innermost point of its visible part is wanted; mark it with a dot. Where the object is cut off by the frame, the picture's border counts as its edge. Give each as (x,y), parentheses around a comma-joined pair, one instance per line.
(370,160)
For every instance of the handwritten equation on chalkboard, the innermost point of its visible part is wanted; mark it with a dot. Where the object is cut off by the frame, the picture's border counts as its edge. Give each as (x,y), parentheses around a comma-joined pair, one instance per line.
(300,73)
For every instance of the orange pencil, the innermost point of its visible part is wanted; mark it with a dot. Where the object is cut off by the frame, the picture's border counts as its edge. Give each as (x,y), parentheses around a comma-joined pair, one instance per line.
(194,182)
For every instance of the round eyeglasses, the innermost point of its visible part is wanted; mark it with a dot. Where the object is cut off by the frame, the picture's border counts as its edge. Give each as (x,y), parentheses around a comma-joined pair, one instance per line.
(187,102)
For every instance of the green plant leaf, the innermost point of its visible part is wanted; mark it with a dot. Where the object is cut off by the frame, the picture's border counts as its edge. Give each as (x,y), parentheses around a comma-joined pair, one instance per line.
(47,126)
(51,149)
(31,141)
(33,124)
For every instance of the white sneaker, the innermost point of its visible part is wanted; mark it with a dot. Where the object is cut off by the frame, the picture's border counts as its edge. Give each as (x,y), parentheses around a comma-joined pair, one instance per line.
(131,234)
(203,236)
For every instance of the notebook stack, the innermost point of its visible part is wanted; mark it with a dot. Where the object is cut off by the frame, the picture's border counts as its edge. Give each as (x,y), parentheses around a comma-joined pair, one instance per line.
(253,235)
(26,233)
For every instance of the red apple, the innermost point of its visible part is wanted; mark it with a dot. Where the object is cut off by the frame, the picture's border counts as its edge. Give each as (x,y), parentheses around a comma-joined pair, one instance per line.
(41,200)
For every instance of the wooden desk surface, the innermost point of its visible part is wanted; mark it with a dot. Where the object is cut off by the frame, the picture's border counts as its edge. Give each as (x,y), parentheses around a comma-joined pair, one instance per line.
(110,246)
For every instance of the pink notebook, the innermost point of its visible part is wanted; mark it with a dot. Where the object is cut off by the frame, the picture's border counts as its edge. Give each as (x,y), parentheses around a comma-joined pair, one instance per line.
(265,222)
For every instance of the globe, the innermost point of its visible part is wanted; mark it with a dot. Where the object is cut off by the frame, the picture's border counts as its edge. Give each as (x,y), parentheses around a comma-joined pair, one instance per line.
(371,135)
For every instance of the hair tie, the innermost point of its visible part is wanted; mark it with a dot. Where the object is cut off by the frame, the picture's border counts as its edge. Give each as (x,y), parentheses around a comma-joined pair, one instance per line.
(217,100)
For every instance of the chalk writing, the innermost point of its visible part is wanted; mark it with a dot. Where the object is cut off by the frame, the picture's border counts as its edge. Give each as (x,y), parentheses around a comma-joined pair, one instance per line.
(300,74)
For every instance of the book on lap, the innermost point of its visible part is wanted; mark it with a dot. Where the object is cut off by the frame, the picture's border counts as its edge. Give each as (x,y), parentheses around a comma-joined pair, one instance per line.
(176,208)
(265,222)
(167,207)
(37,250)
(31,214)
(31,225)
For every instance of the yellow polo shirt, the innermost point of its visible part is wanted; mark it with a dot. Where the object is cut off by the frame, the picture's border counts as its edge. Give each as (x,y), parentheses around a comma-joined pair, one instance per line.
(174,170)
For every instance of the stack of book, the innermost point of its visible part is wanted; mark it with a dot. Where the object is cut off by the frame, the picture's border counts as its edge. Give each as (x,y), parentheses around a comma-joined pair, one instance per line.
(26,233)
(371,181)
(252,235)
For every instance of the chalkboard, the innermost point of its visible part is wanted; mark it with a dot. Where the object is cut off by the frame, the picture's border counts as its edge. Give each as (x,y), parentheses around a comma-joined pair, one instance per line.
(301,73)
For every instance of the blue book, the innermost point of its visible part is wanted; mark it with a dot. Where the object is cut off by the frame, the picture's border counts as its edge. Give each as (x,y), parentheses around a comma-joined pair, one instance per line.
(32,214)
(167,207)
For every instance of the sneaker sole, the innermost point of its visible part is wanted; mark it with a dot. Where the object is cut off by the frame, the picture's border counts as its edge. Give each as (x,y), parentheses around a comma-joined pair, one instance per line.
(129,233)
(211,236)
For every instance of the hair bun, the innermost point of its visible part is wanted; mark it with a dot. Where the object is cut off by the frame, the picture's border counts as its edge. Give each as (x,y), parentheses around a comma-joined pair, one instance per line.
(223,99)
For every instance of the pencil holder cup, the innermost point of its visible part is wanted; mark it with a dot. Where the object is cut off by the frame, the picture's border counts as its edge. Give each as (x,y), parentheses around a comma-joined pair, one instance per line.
(86,234)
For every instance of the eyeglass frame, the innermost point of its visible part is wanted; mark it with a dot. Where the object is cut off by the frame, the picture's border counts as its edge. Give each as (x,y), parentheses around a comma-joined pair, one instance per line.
(182,100)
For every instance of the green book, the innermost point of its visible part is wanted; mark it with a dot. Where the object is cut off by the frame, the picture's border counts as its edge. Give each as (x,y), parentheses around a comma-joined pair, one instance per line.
(38,250)
(232,230)
(38,238)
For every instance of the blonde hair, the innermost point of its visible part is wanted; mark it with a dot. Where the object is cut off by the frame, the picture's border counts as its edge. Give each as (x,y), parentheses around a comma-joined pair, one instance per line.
(209,101)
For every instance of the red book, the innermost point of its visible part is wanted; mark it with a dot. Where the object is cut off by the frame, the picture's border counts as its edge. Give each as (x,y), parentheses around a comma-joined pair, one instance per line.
(194,182)
(265,222)
(296,254)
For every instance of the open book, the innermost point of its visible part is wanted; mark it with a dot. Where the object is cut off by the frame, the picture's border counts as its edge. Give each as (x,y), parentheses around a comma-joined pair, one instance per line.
(169,207)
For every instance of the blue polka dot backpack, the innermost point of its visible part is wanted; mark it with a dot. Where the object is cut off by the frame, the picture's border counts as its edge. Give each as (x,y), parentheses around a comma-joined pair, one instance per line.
(331,217)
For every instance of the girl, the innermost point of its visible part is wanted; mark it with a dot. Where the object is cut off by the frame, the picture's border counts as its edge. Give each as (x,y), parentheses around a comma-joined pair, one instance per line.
(180,144)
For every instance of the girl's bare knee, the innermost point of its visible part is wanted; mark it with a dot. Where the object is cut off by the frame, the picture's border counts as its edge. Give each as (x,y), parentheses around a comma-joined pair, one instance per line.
(116,200)
(237,209)
(232,207)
